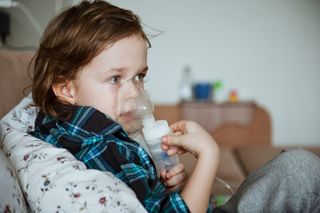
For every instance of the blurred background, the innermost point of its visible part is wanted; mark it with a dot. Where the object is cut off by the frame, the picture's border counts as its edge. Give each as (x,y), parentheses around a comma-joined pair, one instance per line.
(268,51)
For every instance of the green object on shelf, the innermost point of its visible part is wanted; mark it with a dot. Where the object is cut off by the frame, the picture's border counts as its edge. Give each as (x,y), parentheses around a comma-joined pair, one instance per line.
(217,85)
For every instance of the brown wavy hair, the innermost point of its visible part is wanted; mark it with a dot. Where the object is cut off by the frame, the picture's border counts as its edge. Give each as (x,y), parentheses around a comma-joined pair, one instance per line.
(71,41)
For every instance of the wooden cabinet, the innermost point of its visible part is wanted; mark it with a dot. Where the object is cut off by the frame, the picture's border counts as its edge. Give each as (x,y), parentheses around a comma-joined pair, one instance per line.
(231,124)
(213,116)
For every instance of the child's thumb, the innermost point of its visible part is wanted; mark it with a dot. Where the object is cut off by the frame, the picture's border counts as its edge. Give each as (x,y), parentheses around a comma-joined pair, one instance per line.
(172,140)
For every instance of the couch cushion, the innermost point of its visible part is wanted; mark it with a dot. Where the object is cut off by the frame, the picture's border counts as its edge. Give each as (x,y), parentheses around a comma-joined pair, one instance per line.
(229,169)
(14,77)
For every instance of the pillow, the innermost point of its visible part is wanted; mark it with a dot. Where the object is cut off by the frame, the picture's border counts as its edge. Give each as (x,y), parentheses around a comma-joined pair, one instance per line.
(52,179)
(14,201)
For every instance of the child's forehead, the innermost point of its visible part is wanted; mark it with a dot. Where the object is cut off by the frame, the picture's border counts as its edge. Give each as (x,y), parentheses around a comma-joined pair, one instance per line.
(125,54)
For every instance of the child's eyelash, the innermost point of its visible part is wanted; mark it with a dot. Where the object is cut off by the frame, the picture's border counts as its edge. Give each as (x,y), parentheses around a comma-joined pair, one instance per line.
(114,79)
(143,77)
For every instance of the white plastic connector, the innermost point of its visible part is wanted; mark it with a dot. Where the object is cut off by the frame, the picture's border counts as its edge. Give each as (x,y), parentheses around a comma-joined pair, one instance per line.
(148,121)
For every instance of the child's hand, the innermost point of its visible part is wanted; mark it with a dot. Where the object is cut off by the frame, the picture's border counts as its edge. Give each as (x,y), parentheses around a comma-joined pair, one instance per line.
(171,150)
(193,138)
(190,136)
(175,178)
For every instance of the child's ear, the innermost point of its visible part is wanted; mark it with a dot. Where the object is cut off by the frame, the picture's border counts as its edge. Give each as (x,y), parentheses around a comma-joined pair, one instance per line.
(65,91)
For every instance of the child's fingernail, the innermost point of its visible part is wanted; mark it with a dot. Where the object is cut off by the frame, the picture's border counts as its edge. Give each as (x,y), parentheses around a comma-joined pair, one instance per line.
(165,139)
(164,147)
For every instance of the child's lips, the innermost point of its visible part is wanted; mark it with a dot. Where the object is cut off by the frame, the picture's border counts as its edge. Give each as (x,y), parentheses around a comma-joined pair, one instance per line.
(127,117)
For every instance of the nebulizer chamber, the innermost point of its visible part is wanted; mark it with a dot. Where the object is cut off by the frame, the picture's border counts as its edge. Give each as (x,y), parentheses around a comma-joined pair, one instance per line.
(152,130)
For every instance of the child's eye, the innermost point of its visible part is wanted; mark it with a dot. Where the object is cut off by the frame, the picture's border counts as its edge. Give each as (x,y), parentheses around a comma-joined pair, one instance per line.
(114,80)
(140,77)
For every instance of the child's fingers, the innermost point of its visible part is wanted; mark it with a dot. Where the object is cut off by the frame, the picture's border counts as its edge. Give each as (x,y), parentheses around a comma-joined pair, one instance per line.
(176,187)
(178,126)
(181,151)
(176,180)
(179,141)
(175,150)
(164,146)
(172,140)
(172,150)
(163,175)
(177,133)
(175,170)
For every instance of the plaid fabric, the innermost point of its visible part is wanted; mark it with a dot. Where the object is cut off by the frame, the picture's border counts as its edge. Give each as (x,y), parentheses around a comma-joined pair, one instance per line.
(102,144)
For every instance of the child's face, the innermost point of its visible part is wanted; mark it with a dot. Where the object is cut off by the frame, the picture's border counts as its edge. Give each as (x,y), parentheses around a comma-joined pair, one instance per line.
(112,77)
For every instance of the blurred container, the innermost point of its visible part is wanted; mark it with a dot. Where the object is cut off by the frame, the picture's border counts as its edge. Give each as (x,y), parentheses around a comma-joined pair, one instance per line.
(203,91)
(186,85)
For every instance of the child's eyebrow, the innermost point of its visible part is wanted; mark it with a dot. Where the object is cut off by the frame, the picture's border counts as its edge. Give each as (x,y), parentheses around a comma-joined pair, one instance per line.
(112,71)
(115,69)
(145,69)
(122,69)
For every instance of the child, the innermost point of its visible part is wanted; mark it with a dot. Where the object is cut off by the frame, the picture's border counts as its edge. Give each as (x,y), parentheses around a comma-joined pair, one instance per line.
(92,59)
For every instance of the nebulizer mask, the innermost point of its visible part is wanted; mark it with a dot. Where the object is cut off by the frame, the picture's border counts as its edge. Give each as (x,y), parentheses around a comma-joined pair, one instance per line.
(136,112)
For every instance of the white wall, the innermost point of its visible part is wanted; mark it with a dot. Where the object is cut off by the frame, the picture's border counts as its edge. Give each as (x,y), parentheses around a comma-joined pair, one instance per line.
(267,49)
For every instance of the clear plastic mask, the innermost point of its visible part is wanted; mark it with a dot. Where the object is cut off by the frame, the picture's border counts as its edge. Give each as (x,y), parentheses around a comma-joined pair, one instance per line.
(133,104)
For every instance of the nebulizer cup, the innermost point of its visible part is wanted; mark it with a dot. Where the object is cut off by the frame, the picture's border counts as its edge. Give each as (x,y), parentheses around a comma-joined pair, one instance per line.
(222,192)
(141,110)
